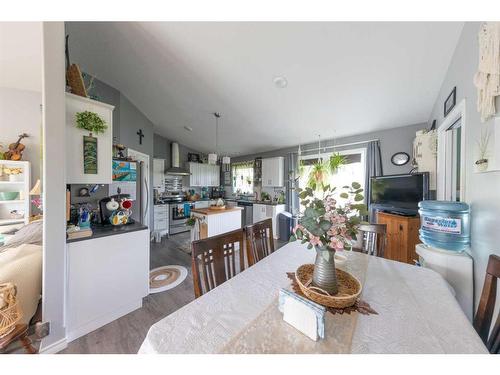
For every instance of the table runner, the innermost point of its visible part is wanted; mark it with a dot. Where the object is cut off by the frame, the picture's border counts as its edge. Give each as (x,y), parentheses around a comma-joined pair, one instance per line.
(269,333)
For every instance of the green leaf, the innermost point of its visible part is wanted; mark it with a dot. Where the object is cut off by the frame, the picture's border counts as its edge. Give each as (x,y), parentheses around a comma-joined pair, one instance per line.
(304,240)
(344,195)
(309,246)
(358,197)
(358,191)
(309,212)
(299,233)
(356,185)
(345,187)
(325,225)
(292,238)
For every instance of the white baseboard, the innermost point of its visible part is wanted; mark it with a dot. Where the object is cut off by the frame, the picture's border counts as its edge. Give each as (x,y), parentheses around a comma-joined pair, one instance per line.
(76,332)
(54,348)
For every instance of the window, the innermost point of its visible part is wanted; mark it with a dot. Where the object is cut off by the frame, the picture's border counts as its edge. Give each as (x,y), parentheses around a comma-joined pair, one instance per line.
(353,170)
(243,177)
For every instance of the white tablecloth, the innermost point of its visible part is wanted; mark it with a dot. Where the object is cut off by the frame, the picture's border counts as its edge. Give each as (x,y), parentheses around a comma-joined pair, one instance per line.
(416,311)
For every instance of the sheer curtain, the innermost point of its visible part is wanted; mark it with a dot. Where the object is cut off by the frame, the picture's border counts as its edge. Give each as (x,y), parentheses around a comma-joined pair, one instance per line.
(373,166)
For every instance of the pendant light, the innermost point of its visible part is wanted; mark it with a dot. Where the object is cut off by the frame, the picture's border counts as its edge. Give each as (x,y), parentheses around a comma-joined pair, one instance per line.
(212,157)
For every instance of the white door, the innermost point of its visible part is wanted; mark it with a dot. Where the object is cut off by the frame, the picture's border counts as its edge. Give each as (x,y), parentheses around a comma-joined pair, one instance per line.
(145,183)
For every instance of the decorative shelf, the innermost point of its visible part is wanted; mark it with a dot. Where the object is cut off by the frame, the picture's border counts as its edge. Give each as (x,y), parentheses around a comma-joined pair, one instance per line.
(12,201)
(11,221)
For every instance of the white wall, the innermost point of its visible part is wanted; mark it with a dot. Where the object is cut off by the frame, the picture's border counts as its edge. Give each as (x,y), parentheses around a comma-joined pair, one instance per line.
(482,190)
(20,113)
(54,186)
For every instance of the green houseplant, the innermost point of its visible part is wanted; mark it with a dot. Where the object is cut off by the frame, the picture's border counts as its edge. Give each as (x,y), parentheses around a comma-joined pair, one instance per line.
(322,169)
(329,226)
(91,122)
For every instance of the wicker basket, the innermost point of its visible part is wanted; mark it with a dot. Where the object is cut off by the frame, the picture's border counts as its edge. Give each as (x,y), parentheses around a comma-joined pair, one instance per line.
(349,288)
(10,313)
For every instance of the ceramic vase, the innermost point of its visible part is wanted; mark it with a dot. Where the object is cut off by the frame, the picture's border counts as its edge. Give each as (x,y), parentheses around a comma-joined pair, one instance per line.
(324,275)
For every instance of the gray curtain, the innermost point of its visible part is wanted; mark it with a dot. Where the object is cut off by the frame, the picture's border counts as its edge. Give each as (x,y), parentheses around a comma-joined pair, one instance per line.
(292,198)
(373,167)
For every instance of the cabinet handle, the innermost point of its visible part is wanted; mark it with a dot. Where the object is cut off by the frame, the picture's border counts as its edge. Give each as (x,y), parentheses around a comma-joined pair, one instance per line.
(401,227)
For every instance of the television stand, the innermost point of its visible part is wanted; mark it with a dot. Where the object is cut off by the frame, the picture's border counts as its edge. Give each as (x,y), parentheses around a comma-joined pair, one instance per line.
(402,236)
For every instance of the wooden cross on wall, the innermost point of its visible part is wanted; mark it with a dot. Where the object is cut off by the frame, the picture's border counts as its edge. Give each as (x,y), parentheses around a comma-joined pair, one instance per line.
(141,135)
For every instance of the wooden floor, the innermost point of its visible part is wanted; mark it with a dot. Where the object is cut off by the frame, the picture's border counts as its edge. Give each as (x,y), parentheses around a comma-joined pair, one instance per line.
(125,335)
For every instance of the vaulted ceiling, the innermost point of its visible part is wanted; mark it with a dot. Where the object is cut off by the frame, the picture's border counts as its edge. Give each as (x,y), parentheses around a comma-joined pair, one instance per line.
(344,78)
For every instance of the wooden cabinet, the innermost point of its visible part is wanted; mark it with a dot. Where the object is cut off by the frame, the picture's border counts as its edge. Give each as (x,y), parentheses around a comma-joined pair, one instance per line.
(402,236)
(204,175)
(268,211)
(273,170)
(75,173)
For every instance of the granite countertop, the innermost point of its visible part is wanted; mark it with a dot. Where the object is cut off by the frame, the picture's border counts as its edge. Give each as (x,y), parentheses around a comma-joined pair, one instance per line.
(208,211)
(99,231)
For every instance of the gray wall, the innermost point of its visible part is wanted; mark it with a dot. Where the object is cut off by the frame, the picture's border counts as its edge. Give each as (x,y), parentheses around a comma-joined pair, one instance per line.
(482,189)
(391,141)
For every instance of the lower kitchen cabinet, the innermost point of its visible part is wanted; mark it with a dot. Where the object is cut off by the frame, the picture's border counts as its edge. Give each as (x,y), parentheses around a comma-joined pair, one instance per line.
(266,211)
(107,278)
(402,236)
(160,221)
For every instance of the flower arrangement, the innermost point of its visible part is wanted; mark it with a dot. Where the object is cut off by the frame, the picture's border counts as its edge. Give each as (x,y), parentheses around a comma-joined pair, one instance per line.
(326,224)
(91,122)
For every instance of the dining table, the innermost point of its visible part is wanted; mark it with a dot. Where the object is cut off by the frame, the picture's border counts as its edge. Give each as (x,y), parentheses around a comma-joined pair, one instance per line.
(416,312)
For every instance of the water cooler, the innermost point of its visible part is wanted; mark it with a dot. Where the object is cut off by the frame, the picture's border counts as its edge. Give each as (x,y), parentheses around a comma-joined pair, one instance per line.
(445,233)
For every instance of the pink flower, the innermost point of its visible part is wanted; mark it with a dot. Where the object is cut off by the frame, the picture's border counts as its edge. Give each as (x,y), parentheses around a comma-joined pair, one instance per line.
(315,241)
(335,243)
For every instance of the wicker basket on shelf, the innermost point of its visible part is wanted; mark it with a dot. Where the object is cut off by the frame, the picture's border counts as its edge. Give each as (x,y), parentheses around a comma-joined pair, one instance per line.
(10,313)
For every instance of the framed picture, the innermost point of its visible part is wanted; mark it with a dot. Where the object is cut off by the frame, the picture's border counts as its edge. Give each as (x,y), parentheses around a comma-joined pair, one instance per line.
(450,101)
(89,155)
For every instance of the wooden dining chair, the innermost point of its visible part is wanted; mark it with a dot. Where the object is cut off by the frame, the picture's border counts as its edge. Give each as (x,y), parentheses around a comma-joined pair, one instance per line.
(371,239)
(260,240)
(214,260)
(484,314)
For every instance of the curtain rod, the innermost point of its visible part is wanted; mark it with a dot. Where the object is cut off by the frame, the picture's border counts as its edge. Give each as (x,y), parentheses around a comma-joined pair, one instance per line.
(336,146)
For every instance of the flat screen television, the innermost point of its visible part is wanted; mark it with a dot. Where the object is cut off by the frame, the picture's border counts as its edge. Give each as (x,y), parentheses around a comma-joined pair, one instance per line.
(399,193)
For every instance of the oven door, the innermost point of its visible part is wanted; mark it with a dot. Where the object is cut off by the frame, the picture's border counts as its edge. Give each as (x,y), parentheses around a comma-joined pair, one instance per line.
(178,214)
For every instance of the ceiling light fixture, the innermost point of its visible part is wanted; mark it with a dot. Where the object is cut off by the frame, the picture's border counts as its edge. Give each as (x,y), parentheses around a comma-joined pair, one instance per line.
(212,157)
(280,82)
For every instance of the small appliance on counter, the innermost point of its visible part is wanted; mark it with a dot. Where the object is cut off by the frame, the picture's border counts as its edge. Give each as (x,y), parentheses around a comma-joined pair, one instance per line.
(116,210)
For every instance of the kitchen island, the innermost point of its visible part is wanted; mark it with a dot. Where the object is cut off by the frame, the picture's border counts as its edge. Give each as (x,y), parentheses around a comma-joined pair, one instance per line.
(216,221)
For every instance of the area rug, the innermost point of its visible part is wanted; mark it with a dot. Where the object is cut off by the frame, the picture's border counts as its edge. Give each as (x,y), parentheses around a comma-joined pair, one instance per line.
(166,277)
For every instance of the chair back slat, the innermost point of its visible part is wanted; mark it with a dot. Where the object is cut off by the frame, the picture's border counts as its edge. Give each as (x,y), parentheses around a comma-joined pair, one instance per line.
(260,240)
(486,308)
(213,260)
(371,239)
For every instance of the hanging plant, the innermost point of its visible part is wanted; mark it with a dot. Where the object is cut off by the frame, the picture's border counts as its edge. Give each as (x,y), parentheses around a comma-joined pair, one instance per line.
(91,122)
(335,162)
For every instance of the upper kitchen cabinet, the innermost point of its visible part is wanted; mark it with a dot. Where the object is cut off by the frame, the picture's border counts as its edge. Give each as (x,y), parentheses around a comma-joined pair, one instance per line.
(88,158)
(204,175)
(273,170)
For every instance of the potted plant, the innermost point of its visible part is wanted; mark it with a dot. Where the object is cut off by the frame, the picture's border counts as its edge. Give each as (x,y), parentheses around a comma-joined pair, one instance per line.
(91,122)
(482,162)
(329,226)
(322,169)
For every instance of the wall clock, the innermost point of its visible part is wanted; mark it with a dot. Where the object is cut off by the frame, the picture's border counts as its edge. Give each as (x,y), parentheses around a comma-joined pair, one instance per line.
(400,158)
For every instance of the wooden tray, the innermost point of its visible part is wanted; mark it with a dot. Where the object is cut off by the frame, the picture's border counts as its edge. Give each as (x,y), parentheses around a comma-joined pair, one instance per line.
(217,208)
(349,288)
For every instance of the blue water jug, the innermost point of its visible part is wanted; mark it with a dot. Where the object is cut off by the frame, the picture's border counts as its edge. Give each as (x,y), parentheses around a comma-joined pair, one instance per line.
(445,225)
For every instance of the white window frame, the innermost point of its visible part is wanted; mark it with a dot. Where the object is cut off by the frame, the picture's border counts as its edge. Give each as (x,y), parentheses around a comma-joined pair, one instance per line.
(444,182)
(361,150)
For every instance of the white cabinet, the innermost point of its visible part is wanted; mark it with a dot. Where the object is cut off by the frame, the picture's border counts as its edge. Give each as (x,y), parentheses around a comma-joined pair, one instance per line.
(159,174)
(268,211)
(425,154)
(74,142)
(106,278)
(273,170)
(204,175)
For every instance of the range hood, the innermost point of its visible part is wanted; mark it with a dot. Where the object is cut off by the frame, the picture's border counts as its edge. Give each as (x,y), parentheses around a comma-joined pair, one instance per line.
(175,169)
